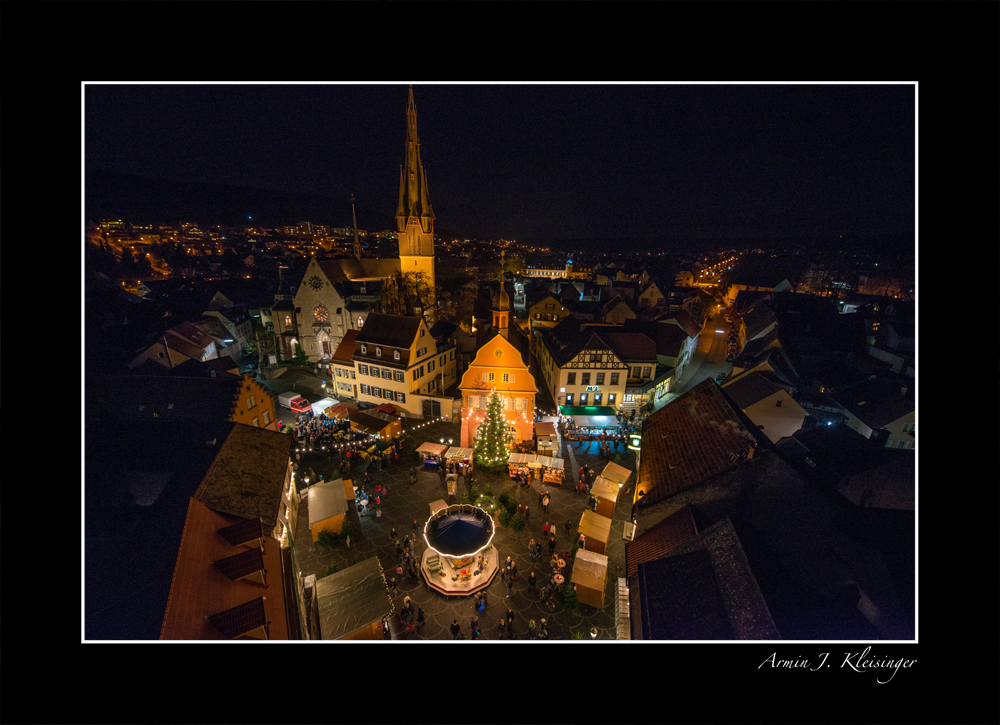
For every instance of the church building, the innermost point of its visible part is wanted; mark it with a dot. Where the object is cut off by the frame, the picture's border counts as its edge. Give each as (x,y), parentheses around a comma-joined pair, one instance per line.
(336,295)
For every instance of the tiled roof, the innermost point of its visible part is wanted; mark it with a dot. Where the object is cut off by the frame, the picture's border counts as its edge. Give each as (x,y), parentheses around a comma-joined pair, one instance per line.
(749,389)
(208,598)
(657,542)
(248,474)
(345,350)
(704,589)
(390,330)
(631,346)
(163,397)
(689,440)
(878,402)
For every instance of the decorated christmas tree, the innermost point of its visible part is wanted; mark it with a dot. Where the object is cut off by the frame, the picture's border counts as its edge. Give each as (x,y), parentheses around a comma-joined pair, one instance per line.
(491,437)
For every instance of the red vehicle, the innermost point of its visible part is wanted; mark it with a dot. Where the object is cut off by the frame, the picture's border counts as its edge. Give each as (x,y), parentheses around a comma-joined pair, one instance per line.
(294,402)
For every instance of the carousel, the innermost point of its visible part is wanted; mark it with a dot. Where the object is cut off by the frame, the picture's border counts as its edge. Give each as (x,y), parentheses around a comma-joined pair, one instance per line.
(460,558)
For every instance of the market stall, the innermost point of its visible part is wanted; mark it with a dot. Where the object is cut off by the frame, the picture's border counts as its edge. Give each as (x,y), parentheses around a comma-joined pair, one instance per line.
(547,442)
(458,459)
(616,473)
(522,463)
(606,493)
(377,423)
(596,530)
(431,454)
(588,420)
(327,504)
(351,603)
(590,577)
(551,469)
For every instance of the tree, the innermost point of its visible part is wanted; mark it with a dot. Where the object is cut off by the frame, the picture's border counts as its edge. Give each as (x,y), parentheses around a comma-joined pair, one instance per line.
(492,436)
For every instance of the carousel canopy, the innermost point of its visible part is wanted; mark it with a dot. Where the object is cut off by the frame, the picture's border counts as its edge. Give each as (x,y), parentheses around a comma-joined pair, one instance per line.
(434,448)
(458,531)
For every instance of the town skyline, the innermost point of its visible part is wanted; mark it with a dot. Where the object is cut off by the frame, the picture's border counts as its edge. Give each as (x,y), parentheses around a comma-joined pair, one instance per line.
(654,165)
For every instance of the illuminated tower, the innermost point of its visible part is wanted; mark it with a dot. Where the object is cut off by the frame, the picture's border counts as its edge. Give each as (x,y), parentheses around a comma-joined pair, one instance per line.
(414,216)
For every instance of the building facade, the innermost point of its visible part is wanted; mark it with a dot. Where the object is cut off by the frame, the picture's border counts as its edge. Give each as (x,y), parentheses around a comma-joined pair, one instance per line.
(397,360)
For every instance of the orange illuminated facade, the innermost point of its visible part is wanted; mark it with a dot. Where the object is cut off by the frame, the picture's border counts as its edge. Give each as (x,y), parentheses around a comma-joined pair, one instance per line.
(498,365)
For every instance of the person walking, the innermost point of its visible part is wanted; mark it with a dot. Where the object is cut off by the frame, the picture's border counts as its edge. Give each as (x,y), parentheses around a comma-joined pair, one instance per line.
(545,503)
(510,584)
(513,568)
(392,533)
(552,542)
(474,627)
(531,629)
(533,549)
(420,619)
(500,628)
(510,623)
(455,629)
(392,586)
(531,581)
(527,514)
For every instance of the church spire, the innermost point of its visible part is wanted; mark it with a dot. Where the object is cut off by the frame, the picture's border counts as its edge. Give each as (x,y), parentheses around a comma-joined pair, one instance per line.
(413,198)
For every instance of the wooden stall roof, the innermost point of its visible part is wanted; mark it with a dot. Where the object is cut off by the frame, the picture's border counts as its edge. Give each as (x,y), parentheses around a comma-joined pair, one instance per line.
(603,488)
(544,429)
(616,473)
(437,506)
(550,462)
(594,525)
(590,570)
(435,448)
(455,452)
(349,490)
(523,458)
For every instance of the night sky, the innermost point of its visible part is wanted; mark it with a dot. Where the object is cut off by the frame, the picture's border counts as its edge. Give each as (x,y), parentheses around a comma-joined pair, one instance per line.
(540,163)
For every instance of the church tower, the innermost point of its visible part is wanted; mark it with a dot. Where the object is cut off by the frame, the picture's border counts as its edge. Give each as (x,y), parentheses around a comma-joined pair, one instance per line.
(501,305)
(414,216)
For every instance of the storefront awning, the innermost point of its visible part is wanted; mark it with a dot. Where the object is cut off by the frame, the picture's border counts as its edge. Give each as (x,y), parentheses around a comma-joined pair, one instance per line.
(588,410)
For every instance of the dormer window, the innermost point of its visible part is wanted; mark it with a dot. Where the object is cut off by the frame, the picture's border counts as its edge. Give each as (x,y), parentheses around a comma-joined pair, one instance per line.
(364,350)
(378,352)
(395,355)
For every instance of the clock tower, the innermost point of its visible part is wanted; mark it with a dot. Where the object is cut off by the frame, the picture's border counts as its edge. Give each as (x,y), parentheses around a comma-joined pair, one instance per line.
(414,215)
